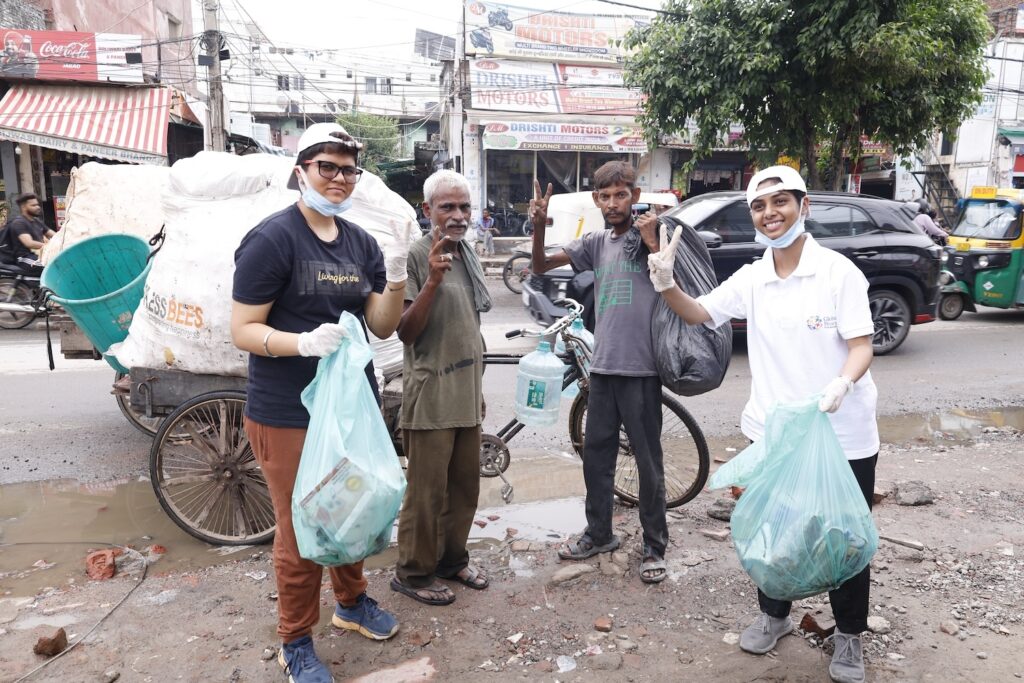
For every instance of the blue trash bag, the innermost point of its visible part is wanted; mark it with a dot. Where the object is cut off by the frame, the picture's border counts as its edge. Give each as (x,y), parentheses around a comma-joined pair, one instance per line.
(802,526)
(350,484)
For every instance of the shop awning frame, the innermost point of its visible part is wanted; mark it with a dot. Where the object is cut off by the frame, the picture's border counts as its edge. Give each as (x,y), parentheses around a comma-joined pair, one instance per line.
(123,124)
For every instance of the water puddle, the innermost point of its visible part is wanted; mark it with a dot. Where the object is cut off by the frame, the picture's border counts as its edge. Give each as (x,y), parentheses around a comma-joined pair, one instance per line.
(70,517)
(53,524)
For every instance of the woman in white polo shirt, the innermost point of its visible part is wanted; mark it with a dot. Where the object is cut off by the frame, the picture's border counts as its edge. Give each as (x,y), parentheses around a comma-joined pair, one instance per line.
(808,331)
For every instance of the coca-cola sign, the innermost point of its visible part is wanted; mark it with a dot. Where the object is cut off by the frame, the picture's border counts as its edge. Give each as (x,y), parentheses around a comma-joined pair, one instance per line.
(68,56)
(76,50)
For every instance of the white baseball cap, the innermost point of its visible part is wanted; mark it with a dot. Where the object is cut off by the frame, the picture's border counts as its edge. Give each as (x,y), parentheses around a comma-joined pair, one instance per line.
(789,179)
(319,133)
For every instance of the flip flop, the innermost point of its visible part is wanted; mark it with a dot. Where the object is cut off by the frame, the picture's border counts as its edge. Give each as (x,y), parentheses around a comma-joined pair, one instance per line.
(413,593)
(470,581)
(652,564)
(583,547)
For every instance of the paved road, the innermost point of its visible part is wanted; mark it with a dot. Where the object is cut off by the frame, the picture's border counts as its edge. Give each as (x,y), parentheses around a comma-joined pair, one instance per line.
(64,424)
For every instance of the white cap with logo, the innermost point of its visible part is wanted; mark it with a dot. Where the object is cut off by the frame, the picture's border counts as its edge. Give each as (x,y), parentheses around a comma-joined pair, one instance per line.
(789,179)
(320,133)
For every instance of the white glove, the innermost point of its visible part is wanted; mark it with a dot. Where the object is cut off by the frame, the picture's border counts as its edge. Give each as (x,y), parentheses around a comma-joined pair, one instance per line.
(323,341)
(396,253)
(832,395)
(661,264)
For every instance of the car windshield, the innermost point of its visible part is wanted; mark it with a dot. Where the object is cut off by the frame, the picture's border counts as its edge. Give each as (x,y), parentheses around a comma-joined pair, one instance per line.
(695,211)
(984,219)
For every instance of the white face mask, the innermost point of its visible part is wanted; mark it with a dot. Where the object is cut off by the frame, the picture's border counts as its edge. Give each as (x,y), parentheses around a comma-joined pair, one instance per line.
(319,203)
(785,239)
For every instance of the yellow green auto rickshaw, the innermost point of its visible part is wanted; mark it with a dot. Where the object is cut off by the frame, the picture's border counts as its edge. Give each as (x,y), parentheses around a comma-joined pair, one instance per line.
(983,264)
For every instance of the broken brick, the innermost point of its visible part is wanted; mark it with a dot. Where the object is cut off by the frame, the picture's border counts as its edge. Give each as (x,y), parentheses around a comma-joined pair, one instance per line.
(603,624)
(823,629)
(100,565)
(49,647)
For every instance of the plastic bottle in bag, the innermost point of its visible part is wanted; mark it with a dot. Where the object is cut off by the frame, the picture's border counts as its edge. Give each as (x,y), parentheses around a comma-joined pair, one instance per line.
(577,330)
(539,386)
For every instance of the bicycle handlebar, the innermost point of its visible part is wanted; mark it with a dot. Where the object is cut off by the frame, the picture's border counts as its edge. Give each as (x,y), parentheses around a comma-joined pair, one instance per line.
(563,323)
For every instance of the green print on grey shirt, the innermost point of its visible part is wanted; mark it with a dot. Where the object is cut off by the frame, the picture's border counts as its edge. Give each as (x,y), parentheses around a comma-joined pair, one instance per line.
(624,302)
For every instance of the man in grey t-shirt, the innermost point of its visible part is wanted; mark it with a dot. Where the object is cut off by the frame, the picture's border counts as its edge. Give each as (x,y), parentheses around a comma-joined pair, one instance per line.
(624,385)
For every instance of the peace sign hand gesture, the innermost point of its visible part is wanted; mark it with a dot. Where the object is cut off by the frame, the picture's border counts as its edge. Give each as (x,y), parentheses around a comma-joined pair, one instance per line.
(539,207)
(662,263)
(396,253)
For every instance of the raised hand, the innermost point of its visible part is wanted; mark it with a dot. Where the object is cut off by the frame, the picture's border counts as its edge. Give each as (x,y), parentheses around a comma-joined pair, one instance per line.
(661,264)
(396,252)
(539,206)
(439,259)
(647,224)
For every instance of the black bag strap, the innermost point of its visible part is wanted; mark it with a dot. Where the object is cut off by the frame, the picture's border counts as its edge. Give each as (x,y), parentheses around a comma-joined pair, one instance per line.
(157,241)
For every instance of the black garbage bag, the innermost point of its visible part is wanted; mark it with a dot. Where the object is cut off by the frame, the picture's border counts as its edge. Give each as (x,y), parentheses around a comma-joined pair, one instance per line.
(691,359)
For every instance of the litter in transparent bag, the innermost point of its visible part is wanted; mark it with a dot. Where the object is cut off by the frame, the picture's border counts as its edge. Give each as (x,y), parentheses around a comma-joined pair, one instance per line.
(802,526)
(350,484)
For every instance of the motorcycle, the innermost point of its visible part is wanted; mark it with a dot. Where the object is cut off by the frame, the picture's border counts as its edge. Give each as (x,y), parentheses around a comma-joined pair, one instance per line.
(499,17)
(481,38)
(19,292)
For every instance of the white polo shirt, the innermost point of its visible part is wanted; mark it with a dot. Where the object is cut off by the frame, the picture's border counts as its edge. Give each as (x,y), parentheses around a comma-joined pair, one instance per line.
(796,338)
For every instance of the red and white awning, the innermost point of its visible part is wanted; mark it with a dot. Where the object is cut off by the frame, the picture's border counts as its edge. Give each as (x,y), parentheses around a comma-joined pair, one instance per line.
(125,124)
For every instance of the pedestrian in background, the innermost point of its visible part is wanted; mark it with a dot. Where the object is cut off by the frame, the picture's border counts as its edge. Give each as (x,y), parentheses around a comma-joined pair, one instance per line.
(486,232)
(442,398)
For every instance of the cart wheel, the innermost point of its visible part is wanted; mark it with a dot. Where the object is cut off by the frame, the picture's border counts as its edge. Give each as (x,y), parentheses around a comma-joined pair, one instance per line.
(146,425)
(210,483)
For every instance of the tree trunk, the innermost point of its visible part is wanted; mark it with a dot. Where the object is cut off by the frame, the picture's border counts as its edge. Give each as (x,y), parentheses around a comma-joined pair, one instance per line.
(835,161)
(811,158)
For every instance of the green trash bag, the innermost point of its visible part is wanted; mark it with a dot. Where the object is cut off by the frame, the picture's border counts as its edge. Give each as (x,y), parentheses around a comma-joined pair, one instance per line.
(802,527)
(350,483)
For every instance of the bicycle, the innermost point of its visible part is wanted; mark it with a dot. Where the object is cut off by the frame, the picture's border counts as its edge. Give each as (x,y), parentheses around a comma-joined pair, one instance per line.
(19,291)
(686,458)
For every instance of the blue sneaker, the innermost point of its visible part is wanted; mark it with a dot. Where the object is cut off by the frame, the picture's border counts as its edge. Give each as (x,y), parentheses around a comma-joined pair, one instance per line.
(300,663)
(367,618)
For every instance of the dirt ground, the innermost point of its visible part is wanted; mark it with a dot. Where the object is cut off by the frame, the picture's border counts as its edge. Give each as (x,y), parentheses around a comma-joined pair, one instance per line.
(217,624)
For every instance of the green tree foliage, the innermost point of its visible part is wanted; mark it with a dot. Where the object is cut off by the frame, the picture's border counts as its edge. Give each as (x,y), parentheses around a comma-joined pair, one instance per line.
(379,134)
(797,73)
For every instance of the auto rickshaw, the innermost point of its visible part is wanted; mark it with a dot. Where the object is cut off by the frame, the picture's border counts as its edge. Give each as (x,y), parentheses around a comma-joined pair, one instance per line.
(983,264)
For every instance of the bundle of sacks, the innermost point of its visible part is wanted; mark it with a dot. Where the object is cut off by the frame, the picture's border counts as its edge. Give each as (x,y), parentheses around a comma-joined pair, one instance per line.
(209,204)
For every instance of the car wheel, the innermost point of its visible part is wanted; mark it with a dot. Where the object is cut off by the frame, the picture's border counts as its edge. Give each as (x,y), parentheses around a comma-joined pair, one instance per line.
(951,306)
(891,316)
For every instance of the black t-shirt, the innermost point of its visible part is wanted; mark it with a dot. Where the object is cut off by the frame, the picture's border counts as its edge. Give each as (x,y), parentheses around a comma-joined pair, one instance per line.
(311,282)
(19,225)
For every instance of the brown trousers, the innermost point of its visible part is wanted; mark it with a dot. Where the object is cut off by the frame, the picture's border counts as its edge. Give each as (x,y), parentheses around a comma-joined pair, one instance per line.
(439,505)
(278,450)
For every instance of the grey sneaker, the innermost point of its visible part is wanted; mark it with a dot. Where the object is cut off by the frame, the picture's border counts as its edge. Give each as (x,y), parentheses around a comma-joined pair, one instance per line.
(761,636)
(847,660)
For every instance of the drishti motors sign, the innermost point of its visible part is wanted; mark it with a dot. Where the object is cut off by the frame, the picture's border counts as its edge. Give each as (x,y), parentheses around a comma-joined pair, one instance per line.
(563,137)
(498,30)
(68,56)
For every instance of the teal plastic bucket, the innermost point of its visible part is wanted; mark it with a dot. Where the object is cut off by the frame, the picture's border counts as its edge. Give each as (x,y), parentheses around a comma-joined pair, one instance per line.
(100,282)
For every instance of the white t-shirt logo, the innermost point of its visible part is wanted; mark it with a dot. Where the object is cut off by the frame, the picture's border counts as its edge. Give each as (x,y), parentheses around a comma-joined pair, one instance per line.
(817,322)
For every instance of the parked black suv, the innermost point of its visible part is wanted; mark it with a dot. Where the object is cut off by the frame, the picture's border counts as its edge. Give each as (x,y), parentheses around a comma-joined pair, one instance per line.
(900,262)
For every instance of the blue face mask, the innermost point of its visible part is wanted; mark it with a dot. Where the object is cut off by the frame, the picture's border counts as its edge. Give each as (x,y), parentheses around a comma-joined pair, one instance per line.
(319,203)
(785,239)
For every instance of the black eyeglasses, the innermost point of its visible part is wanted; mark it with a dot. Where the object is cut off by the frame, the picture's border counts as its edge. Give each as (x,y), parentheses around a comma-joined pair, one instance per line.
(329,171)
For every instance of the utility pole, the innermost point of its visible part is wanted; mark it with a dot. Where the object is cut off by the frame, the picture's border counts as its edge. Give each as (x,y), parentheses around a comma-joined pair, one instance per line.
(212,43)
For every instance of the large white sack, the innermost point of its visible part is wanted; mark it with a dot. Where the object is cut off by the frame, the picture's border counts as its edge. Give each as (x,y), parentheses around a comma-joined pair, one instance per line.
(211,202)
(106,199)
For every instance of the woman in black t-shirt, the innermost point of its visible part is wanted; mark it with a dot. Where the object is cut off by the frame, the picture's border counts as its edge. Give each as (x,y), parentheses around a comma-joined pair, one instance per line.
(295,273)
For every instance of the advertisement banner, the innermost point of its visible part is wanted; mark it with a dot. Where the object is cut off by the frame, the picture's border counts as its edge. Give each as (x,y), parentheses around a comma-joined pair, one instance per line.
(498,30)
(69,56)
(509,85)
(563,137)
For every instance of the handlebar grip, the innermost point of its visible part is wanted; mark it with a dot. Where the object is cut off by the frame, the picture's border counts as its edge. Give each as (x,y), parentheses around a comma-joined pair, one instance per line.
(512,334)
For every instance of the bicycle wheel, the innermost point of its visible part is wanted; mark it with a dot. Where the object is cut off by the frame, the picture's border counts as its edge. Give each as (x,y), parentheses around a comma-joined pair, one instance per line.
(14,292)
(684,449)
(146,425)
(515,271)
(210,484)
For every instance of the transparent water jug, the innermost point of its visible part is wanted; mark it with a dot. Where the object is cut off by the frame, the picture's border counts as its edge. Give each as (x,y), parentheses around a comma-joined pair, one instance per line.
(577,330)
(539,386)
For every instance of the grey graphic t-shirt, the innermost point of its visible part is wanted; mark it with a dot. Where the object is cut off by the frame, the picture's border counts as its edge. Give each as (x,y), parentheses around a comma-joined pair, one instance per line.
(624,298)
